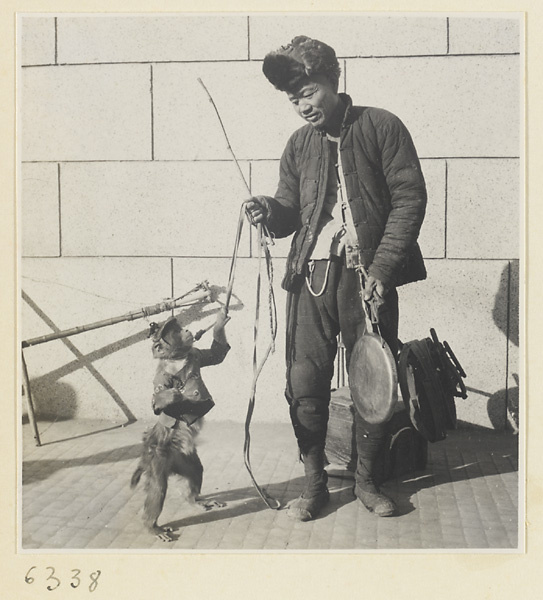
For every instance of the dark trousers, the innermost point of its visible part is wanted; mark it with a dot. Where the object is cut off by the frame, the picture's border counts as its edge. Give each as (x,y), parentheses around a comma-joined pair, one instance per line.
(313,324)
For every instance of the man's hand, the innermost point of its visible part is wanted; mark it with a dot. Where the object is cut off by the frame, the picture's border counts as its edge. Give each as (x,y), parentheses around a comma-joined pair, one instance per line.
(375,287)
(256,213)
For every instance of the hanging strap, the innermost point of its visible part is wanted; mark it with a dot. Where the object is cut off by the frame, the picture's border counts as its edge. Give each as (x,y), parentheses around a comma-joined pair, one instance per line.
(257,365)
(309,278)
(272,503)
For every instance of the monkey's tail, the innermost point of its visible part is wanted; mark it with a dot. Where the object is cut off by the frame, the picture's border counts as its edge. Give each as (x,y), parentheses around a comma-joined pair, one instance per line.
(136,476)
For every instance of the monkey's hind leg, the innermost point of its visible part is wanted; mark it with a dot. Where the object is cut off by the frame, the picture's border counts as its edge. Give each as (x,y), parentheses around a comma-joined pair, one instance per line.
(156,487)
(190,468)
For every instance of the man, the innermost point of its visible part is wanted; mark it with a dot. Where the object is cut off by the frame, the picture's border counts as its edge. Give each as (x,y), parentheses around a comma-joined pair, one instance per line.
(352,192)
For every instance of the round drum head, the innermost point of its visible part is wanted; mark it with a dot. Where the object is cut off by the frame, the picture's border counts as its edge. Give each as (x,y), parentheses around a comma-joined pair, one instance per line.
(373,379)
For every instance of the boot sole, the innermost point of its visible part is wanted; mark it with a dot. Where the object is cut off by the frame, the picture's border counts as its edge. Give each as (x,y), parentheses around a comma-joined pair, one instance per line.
(389,511)
(307,512)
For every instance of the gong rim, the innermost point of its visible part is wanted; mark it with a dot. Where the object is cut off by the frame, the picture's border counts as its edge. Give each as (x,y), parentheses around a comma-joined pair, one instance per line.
(373,379)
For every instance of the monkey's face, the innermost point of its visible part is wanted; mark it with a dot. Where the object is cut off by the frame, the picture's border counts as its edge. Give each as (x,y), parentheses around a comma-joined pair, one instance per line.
(174,341)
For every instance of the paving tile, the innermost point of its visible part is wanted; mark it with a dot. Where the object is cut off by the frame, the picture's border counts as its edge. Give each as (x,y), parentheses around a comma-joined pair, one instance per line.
(84,501)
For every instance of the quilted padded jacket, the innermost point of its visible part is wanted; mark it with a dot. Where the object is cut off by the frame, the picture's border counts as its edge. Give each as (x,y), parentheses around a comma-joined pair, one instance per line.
(385,189)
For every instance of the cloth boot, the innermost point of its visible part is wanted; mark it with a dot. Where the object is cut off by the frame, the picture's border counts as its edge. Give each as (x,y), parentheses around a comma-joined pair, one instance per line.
(369,442)
(315,495)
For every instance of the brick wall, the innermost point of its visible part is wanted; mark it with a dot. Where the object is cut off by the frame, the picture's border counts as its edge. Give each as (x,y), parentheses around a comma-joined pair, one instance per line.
(129,195)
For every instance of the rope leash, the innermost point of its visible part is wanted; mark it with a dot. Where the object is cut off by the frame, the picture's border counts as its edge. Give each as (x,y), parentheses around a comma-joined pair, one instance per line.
(271,502)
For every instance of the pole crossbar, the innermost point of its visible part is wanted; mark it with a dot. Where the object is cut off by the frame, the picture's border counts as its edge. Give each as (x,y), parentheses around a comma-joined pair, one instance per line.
(131,316)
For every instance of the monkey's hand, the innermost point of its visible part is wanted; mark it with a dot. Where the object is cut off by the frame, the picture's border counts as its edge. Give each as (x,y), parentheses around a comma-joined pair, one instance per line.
(163,398)
(165,534)
(209,504)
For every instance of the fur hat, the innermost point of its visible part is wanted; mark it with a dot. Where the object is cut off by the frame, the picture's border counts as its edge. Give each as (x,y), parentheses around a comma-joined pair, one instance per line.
(288,67)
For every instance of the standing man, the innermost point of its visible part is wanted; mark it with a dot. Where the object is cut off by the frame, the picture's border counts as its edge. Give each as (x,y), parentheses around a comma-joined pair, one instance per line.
(352,192)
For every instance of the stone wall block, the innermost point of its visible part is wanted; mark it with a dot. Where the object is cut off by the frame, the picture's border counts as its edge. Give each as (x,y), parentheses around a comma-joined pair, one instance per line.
(153,38)
(495,35)
(39,210)
(434,97)
(151,209)
(353,35)
(432,234)
(36,38)
(86,113)
(483,208)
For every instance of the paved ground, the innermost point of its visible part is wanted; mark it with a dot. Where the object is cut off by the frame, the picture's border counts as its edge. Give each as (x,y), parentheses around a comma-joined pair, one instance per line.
(76,495)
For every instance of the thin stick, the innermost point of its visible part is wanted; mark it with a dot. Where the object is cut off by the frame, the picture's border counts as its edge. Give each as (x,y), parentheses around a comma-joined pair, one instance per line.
(265,230)
(225,135)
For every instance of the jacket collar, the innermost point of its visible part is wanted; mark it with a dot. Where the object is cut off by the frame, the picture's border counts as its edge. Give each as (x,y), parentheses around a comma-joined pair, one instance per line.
(348,116)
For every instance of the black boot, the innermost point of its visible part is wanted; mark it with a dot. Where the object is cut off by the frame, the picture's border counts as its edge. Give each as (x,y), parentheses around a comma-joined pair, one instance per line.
(369,442)
(315,495)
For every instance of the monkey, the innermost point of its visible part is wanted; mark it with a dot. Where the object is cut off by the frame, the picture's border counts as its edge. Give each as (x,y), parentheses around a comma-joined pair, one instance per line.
(180,399)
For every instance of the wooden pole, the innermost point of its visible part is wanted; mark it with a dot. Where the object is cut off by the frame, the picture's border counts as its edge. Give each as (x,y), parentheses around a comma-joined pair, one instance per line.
(28,394)
(137,314)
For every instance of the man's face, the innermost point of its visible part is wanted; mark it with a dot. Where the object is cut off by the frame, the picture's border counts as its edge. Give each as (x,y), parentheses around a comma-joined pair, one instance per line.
(315,101)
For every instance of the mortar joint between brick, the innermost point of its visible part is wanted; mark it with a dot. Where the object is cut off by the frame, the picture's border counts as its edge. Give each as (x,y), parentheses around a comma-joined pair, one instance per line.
(250,228)
(172,281)
(56,41)
(152,113)
(59,211)
(446,206)
(248,37)
(507,341)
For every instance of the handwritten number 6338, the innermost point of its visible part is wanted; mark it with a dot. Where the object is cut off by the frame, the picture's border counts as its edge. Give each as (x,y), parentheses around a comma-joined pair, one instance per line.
(53,582)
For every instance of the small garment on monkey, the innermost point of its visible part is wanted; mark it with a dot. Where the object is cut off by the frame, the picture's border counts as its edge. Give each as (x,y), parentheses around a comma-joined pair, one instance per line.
(193,399)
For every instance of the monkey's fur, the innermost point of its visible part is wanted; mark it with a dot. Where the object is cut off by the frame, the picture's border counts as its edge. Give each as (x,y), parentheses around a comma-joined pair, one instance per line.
(180,399)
